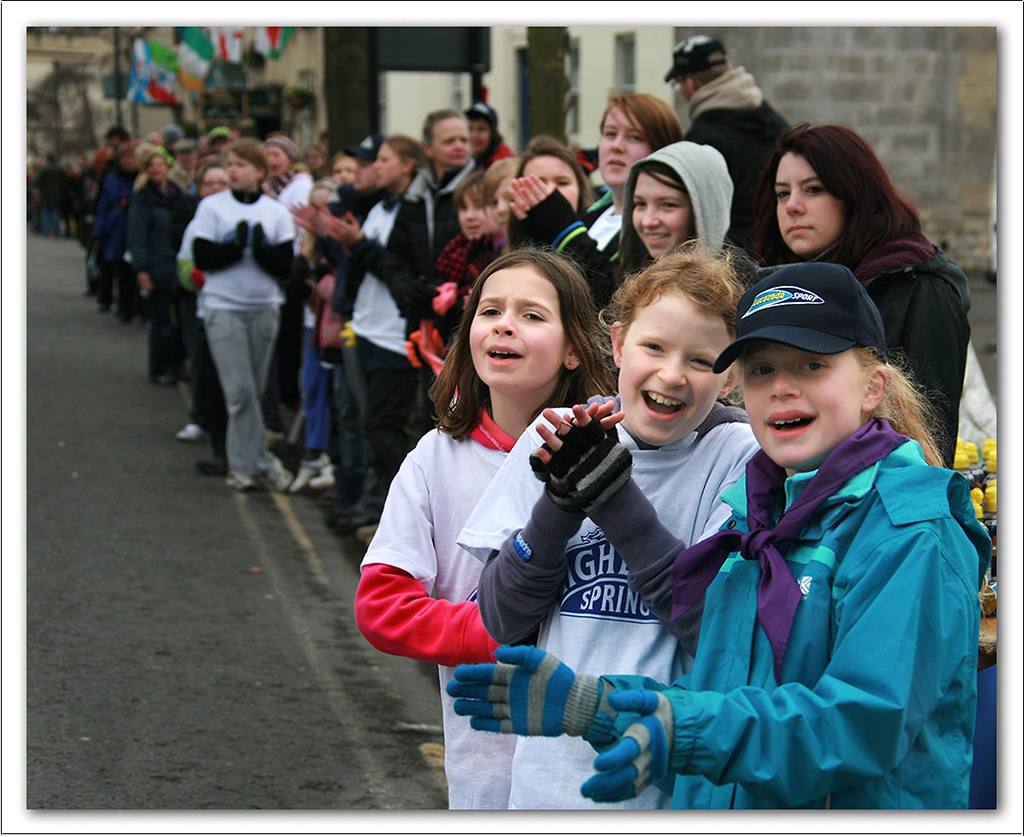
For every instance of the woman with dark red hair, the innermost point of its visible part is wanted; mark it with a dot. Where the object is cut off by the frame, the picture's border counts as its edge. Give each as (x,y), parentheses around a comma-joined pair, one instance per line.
(825,196)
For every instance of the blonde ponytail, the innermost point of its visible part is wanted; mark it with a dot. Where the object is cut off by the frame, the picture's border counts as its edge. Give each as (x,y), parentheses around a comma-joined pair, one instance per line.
(904,405)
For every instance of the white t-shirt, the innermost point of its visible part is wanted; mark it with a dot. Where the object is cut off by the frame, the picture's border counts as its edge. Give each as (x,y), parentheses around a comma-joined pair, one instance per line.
(296,193)
(428,502)
(606,227)
(375,315)
(244,285)
(600,626)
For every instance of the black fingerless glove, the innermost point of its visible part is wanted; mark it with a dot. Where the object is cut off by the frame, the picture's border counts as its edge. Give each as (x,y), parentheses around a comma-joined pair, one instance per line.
(590,468)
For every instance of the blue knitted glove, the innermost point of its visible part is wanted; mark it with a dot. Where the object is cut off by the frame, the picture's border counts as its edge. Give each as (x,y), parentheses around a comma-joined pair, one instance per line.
(527,692)
(641,756)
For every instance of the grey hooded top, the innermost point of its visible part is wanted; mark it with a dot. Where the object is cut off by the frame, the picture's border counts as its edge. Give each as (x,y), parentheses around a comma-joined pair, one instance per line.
(703,171)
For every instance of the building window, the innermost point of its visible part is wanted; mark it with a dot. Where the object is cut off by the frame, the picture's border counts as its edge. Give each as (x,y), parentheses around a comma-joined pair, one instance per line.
(625,63)
(572,116)
(458,92)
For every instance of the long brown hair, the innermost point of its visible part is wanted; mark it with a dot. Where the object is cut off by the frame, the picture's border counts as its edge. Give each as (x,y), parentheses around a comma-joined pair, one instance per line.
(458,393)
(851,172)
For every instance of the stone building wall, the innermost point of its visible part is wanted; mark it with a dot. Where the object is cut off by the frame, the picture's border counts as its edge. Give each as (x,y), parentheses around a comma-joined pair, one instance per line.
(925,98)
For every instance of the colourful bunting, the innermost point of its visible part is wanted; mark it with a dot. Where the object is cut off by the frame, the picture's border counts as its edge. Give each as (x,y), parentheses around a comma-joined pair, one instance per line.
(270,41)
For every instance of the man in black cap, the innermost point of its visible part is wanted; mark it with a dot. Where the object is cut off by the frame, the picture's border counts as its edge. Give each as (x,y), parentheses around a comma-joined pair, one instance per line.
(728,111)
(365,183)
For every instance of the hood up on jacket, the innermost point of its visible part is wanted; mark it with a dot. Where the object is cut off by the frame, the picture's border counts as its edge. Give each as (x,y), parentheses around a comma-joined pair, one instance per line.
(703,171)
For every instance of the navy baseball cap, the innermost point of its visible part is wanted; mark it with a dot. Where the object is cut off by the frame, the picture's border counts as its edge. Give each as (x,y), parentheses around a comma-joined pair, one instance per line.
(480,110)
(815,306)
(367,149)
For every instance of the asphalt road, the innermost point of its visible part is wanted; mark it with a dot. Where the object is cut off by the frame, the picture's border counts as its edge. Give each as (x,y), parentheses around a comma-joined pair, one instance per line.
(186,647)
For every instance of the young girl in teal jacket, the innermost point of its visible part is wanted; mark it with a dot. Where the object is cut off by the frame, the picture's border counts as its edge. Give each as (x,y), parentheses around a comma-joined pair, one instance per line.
(837,656)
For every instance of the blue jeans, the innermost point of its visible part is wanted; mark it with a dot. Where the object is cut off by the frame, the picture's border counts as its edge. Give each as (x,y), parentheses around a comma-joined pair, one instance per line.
(316,386)
(49,217)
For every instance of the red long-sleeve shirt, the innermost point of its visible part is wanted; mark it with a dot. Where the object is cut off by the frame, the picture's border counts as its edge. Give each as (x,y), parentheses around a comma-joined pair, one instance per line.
(398,616)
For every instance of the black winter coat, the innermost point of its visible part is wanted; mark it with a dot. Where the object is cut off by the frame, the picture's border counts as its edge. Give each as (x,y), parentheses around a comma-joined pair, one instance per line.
(427,220)
(744,137)
(149,234)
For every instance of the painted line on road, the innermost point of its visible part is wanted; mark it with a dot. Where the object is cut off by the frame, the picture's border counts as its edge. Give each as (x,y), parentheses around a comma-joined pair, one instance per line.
(301,538)
(431,753)
(332,685)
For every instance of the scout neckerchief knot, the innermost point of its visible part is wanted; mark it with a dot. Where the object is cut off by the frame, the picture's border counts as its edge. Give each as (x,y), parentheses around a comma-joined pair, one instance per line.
(778,592)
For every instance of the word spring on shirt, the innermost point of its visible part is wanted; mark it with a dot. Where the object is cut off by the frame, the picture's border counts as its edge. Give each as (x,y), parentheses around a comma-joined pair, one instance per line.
(595,586)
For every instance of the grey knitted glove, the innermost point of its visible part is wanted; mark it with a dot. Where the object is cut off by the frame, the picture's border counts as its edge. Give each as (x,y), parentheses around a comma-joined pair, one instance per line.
(527,692)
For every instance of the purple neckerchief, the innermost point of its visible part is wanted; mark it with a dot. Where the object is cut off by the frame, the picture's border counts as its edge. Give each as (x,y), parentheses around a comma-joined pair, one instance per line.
(778,592)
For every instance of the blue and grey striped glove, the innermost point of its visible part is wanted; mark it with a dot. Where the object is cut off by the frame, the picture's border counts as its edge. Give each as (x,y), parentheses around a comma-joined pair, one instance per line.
(527,692)
(642,754)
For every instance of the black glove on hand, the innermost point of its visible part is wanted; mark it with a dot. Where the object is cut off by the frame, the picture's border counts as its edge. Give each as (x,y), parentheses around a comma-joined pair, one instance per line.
(241,236)
(276,259)
(415,301)
(590,468)
(259,239)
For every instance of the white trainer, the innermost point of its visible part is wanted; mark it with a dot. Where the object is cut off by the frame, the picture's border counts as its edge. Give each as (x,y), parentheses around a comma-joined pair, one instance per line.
(191,432)
(277,477)
(309,470)
(241,482)
(323,480)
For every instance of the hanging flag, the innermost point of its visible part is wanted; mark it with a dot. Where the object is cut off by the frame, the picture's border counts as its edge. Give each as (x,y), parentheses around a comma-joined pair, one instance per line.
(154,68)
(227,43)
(194,55)
(270,41)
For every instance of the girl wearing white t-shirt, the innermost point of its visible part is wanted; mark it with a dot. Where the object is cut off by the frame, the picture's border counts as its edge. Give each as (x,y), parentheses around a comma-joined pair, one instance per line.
(528,341)
(243,244)
(559,573)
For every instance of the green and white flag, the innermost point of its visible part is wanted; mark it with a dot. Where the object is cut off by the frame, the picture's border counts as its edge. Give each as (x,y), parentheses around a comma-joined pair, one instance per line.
(195,52)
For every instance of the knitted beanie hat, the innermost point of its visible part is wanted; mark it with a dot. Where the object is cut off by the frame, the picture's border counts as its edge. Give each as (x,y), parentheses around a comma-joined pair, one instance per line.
(286,145)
